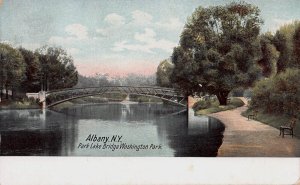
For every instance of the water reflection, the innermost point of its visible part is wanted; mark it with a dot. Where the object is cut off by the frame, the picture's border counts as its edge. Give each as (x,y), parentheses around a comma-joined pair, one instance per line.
(33,132)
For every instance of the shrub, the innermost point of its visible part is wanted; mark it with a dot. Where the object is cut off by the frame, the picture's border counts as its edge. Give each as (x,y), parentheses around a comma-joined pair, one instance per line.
(202,104)
(278,94)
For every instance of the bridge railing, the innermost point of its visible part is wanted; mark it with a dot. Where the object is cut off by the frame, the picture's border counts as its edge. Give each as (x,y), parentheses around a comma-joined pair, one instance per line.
(101,87)
(60,95)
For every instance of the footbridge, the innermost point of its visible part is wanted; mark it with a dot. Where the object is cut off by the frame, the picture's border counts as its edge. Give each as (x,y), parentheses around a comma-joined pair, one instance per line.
(51,98)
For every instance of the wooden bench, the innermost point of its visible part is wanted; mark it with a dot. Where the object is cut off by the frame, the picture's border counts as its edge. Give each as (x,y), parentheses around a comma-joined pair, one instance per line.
(253,115)
(289,127)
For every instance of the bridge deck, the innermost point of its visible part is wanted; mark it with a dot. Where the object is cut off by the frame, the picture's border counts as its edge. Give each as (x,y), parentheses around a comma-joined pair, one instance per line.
(59,96)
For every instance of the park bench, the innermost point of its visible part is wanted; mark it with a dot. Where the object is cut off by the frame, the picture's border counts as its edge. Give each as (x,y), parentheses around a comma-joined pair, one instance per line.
(253,115)
(289,127)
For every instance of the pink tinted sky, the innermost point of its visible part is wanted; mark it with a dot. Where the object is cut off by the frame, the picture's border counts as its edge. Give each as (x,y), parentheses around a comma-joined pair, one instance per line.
(117,68)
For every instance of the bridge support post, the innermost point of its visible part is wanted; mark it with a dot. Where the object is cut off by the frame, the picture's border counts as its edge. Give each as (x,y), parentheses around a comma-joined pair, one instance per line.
(42,98)
(44,105)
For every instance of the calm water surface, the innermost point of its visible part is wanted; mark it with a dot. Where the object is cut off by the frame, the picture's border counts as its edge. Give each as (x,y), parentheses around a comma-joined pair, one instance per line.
(64,133)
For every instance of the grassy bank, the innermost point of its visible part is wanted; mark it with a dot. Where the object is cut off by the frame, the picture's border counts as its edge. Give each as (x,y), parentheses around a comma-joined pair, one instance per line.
(19,104)
(204,107)
(274,120)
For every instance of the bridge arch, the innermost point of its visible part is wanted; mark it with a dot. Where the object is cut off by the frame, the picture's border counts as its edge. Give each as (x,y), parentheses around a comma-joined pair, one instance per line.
(59,96)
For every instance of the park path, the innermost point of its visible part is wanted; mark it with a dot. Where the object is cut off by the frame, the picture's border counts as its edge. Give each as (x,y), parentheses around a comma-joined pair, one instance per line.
(243,138)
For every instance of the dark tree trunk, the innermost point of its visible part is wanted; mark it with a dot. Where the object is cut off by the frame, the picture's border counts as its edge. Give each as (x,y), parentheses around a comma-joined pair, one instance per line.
(222,97)
(6,90)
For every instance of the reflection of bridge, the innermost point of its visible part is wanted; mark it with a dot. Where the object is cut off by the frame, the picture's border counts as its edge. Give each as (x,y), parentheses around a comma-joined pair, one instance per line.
(51,98)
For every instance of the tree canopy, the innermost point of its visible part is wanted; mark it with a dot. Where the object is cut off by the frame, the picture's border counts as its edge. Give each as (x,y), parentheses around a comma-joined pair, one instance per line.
(33,71)
(57,68)
(12,70)
(163,74)
(287,42)
(23,70)
(218,50)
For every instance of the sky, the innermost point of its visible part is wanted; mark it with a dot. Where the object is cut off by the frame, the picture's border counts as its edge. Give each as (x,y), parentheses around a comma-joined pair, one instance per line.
(117,37)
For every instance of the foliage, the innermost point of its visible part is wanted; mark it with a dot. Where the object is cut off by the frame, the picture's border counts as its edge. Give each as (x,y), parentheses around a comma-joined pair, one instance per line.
(163,74)
(106,80)
(202,104)
(279,94)
(141,98)
(270,55)
(98,80)
(58,70)
(33,71)
(296,42)
(12,71)
(211,106)
(218,50)
(286,41)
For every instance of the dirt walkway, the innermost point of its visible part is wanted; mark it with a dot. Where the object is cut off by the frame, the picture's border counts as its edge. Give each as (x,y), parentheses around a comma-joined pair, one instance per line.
(243,138)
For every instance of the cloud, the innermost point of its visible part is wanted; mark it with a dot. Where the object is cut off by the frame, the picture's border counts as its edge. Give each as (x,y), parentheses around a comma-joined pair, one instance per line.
(77,30)
(147,37)
(123,45)
(148,43)
(114,19)
(141,18)
(171,24)
(73,51)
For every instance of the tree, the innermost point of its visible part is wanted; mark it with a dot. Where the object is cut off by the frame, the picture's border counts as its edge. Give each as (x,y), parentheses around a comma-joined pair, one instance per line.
(270,55)
(218,51)
(163,74)
(12,68)
(296,42)
(284,40)
(57,68)
(32,83)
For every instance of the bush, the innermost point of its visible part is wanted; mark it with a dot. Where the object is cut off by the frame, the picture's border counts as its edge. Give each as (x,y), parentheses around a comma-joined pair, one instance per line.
(202,104)
(279,94)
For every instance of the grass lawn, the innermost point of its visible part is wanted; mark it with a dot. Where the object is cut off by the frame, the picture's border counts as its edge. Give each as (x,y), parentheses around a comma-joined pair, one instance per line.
(274,120)
(203,107)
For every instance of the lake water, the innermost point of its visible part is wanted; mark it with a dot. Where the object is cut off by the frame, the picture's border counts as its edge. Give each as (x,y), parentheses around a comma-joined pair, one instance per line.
(115,129)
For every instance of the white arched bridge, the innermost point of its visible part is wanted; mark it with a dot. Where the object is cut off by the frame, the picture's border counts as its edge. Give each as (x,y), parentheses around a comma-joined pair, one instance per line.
(55,97)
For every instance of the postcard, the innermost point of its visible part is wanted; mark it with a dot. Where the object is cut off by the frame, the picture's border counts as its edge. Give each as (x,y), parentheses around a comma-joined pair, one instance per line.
(150,78)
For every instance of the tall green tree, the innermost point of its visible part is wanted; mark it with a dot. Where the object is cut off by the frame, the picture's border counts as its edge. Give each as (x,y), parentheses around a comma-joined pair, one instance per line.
(296,42)
(12,69)
(218,51)
(32,83)
(269,56)
(57,68)
(284,40)
(164,72)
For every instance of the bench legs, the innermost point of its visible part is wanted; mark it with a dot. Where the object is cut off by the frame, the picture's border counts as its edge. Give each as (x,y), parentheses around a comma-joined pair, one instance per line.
(282,130)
